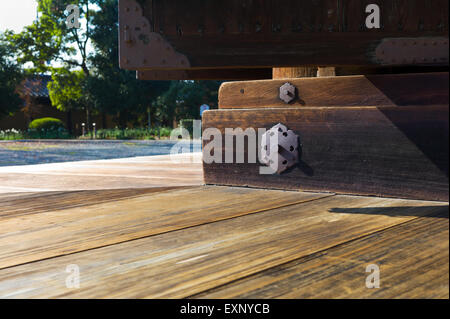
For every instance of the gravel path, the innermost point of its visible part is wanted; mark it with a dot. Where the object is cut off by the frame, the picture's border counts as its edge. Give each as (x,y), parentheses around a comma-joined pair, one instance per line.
(56,151)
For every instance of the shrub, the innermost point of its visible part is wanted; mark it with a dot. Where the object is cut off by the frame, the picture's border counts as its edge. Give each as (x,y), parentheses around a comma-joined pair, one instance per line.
(47,128)
(11,134)
(132,134)
(165,132)
(47,124)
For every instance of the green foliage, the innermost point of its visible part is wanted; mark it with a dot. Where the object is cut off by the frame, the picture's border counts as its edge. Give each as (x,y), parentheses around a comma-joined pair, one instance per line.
(49,40)
(131,98)
(47,128)
(10,77)
(66,89)
(47,124)
(133,134)
(60,134)
(11,134)
(184,98)
(95,83)
(188,124)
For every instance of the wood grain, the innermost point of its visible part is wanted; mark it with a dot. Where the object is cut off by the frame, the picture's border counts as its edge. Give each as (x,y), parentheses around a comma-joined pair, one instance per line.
(381,151)
(138,172)
(287,33)
(34,203)
(298,72)
(190,261)
(30,237)
(413,259)
(369,90)
(206,74)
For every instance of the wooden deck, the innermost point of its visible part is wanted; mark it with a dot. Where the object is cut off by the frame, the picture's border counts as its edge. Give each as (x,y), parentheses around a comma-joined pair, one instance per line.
(185,241)
(137,172)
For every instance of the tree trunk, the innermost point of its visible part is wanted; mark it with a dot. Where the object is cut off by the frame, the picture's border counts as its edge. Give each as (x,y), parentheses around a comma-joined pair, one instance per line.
(122,121)
(149,118)
(69,122)
(103,120)
(88,120)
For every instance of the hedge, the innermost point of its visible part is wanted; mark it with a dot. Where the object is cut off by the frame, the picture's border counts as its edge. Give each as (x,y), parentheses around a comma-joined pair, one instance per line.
(47,124)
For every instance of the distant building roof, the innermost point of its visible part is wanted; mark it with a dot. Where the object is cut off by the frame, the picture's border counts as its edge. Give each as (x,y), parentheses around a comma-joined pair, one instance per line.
(36,86)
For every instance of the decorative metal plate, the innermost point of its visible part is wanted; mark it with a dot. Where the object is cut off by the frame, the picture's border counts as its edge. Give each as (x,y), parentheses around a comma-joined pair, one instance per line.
(279,148)
(401,51)
(139,47)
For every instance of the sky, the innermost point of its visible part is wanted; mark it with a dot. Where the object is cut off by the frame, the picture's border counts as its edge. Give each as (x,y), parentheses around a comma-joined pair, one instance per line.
(15,14)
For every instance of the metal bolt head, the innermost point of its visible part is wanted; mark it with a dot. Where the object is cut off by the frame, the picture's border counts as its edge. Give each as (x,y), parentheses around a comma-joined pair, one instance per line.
(288,93)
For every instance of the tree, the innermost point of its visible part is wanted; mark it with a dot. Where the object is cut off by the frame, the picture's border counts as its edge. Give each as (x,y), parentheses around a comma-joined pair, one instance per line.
(132,98)
(48,40)
(66,89)
(10,77)
(184,98)
(104,87)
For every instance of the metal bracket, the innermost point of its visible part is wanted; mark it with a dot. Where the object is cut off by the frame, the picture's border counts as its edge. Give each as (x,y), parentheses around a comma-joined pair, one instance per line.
(279,148)
(139,47)
(421,51)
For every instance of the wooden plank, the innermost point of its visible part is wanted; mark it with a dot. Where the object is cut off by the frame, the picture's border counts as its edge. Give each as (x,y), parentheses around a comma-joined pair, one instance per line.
(370,90)
(9,196)
(413,260)
(281,33)
(65,231)
(381,151)
(138,172)
(35,203)
(182,263)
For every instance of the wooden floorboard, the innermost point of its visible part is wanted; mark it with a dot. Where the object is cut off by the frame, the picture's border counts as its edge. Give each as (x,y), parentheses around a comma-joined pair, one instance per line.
(193,260)
(124,173)
(33,236)
(413,259)
(34,203)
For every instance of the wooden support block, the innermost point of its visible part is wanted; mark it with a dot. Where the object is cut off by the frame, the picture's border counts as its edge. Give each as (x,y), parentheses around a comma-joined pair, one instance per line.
(370,90)
(383,151)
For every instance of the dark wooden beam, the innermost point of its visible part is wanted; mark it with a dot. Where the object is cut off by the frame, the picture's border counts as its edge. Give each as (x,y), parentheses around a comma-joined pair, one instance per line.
(206,74)
(174,34)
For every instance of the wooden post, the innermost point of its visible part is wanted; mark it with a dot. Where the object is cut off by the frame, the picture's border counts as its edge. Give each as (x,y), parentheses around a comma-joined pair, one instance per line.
(326,71)
(302,72)
(292,73)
